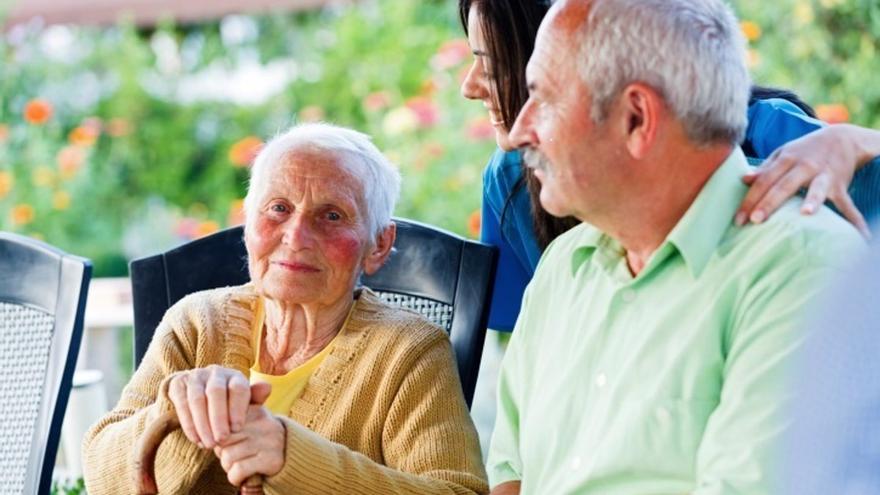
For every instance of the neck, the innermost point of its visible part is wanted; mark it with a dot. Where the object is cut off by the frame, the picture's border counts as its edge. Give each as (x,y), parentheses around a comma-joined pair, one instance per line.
(296,332)
(658,199)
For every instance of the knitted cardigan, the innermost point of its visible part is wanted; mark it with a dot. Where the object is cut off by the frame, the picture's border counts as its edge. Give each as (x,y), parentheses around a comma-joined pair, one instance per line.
(383,414)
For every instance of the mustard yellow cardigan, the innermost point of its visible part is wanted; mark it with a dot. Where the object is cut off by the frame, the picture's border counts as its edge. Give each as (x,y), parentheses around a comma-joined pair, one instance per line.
(383,414)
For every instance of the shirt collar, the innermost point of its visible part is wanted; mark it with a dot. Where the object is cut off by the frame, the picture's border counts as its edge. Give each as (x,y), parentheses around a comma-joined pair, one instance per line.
(700,230)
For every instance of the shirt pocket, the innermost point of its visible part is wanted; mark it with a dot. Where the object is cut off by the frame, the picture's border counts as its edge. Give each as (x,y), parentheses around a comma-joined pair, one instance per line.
(663,436)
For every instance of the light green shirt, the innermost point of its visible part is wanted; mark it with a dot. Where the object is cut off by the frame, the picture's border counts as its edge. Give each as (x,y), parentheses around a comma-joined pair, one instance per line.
(673,381)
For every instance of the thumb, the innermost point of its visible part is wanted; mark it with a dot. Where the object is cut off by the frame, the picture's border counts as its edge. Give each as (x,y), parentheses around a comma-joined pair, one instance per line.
(260,392)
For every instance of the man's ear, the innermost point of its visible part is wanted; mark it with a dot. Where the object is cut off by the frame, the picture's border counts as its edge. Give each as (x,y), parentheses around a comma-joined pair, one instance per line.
(381,249)
(641,110)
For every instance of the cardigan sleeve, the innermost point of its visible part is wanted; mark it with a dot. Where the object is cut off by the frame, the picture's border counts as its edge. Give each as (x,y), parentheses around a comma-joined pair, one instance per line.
(429,444)
(108,445)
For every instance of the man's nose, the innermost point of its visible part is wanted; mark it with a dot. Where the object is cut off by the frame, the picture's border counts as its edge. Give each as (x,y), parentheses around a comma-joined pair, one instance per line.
(522,134)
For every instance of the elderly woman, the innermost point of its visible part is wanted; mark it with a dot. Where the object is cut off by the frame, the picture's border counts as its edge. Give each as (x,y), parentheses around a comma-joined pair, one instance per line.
(300,376)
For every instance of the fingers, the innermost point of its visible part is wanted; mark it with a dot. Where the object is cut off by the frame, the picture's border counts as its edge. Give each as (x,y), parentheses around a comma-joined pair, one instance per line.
(218,409)
(239,398)
(260,392)
(211,403)
(816,194)
(761,180)
(178,396)
(778,193)
(198,408)
(845,205)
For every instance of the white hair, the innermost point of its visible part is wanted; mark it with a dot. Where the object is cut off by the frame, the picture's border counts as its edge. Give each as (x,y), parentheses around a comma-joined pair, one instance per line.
(691,51)
(381,183)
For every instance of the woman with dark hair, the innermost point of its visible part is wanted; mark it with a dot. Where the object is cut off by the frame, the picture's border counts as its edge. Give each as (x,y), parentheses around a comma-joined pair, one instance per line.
(502,33)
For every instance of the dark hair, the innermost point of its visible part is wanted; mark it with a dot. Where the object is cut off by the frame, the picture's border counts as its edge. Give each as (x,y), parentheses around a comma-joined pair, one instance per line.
(509,28)
(766,93)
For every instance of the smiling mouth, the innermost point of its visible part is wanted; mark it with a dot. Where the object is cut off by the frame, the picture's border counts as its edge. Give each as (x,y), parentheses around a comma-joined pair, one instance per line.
(295,266)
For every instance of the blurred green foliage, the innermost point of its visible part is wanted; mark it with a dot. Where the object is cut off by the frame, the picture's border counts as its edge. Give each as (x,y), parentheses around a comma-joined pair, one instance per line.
(149,132)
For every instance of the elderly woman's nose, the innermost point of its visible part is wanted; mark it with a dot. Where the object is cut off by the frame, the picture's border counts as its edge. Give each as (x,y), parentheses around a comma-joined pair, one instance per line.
(474,86)
(298,231)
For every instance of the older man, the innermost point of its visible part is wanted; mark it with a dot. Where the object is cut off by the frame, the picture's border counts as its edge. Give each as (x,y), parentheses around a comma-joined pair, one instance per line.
(651,353)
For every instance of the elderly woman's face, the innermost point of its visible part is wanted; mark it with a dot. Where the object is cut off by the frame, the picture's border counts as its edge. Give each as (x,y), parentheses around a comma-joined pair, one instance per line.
(307,237)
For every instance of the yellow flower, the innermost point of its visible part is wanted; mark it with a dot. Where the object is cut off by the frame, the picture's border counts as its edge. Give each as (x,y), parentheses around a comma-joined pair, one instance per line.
(751,30)
(803,13)
(83,136)
(22,214)
(6,182)
(60,200)
(42,176)
(206,228)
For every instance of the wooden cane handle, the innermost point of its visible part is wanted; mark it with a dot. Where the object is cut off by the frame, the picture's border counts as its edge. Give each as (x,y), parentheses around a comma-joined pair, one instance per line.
(145,457)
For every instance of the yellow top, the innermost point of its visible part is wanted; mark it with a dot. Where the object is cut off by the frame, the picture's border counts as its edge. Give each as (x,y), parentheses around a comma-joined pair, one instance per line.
(288,387)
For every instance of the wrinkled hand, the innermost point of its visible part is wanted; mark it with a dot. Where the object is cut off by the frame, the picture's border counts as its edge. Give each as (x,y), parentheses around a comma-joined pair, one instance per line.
(823,161)
(257,449)
(212,403)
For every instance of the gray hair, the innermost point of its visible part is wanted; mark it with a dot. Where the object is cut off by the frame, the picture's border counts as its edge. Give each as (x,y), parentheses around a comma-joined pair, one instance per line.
(381,181)
(691,51)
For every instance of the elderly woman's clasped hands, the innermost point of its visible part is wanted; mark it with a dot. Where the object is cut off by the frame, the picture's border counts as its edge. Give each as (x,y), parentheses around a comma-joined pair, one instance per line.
(219,409)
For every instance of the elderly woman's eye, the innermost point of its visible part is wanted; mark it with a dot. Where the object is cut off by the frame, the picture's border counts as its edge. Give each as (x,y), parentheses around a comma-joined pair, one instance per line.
(278,208)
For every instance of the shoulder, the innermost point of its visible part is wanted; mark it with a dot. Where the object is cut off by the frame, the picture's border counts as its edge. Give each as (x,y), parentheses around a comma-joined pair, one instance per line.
(393,327)
(212,308)
(789,238)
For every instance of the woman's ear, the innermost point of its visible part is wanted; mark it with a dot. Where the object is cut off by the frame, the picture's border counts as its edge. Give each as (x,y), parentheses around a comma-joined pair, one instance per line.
(381,249)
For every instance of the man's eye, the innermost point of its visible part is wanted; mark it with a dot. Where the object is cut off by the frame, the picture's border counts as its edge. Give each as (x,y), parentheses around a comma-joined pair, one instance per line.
(334,216)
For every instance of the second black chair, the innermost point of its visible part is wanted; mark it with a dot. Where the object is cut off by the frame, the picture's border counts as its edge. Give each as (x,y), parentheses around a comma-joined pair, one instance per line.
(443,276)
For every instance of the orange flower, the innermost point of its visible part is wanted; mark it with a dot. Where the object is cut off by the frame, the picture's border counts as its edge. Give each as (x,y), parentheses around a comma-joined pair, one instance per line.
(186,227)
(474,223)
(751,30)
(206,228)
(22,214)
(118,127)
(37,111)
(833,113)
(70,159)
(84,136)
(243,152)
(61,200)
(236,213)
(4,133)
(6,182)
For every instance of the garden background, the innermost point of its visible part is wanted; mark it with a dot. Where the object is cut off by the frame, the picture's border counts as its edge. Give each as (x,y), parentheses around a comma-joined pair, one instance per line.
(119,142)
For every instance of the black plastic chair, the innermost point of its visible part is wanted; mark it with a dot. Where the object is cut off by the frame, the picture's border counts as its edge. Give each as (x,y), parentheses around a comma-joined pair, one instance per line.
(445,277)
(42,301)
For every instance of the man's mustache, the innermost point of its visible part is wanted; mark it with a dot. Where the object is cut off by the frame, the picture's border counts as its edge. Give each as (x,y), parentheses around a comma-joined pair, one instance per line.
(534,159)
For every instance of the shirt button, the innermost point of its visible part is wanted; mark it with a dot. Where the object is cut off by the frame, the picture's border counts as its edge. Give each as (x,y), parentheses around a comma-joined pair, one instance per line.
(575,463)
(601,379)
(628,295)
(663,415)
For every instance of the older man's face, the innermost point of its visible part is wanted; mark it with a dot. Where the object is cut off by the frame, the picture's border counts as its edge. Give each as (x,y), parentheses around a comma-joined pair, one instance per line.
(307,236)
(570,154)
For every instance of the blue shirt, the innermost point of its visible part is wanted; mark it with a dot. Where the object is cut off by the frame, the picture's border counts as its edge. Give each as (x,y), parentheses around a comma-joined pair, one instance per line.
(772,123)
